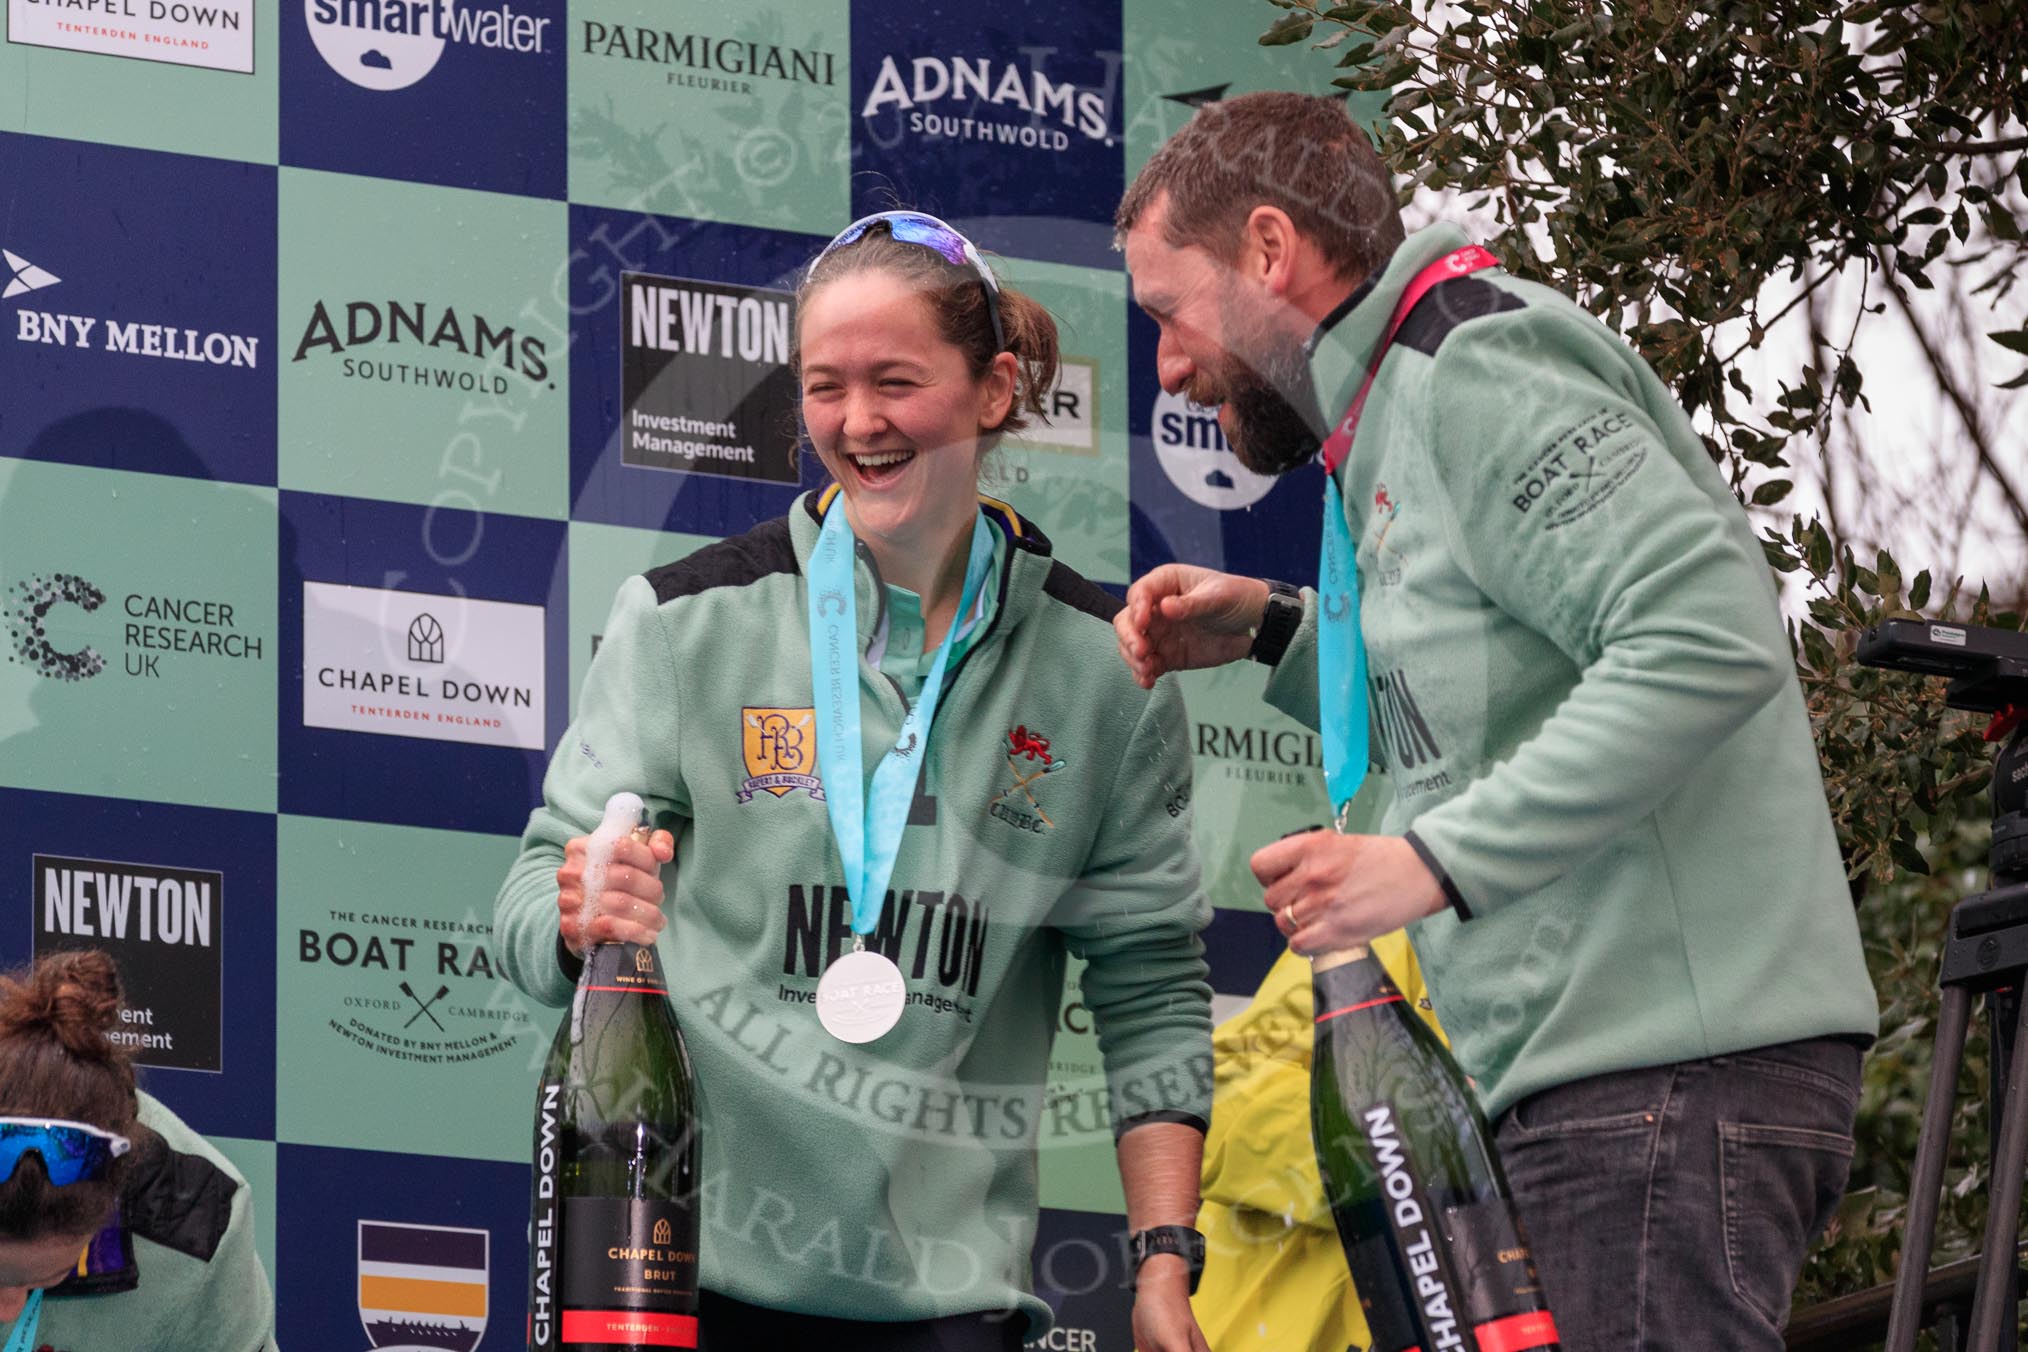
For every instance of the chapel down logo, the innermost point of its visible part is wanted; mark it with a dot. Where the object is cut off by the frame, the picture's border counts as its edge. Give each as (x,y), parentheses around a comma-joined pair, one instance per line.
(780,749)
(1029,758)
(213,34)
(420,664)
(392,44)
(422,1286)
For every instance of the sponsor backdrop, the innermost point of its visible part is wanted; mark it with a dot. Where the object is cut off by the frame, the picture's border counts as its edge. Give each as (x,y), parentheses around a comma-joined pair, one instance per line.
(351,354)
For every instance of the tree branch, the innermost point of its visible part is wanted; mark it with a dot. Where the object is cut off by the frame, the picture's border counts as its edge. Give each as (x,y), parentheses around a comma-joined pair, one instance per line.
(1999,147)
(1967,414)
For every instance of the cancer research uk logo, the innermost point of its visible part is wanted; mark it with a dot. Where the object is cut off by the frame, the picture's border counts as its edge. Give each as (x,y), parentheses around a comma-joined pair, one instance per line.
(410,664)
(392,44)
(214,34)
(58,625)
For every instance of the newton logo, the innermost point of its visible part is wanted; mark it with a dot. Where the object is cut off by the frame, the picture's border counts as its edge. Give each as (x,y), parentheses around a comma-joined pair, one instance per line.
(392,44)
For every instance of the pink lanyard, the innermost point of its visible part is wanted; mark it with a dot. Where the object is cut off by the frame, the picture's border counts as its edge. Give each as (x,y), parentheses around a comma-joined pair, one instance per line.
(1459,263)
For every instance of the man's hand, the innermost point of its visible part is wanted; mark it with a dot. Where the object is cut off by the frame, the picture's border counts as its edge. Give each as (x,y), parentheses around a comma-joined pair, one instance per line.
(630,910)
(1329,892)
(1180,617)
(1162,1318)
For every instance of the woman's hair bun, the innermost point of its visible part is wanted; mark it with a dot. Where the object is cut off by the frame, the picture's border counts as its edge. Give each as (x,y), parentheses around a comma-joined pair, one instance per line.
(72,998)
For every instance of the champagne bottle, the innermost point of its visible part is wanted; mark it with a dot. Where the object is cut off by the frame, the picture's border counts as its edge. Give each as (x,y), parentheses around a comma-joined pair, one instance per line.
(614,1244)
(1412,1178)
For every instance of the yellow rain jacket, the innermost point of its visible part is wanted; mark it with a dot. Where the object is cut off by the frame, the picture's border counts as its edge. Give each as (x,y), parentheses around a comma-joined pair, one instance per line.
(1274,1275)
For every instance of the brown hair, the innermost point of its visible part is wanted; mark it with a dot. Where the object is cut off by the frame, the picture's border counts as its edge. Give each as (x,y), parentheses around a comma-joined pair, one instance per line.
(55,1061)
(1298,152)
(957,297)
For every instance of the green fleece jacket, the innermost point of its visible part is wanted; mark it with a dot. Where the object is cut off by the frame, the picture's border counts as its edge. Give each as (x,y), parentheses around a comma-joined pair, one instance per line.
(895,1180)
(1582,694)
(183,1272)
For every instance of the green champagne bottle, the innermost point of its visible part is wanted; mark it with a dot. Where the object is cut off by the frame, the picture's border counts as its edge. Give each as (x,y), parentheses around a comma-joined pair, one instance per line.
(613,1252)
(1412,1178)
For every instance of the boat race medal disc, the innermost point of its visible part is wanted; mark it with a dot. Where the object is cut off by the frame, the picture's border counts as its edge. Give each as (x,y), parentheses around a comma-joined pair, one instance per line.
(861,996)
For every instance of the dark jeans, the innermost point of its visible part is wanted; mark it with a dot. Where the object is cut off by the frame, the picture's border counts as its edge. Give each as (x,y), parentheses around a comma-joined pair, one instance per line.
(1671,1207)
(727,1325)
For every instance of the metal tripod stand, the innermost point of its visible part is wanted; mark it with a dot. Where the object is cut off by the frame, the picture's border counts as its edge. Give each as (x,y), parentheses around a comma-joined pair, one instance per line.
(1985,953)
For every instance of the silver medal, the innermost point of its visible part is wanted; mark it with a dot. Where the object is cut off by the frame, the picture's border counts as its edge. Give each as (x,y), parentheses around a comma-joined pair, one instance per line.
(861,996)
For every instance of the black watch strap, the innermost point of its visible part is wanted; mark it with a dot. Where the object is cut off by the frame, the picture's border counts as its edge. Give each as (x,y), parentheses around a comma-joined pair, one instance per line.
(1180,1240)
(1278,623)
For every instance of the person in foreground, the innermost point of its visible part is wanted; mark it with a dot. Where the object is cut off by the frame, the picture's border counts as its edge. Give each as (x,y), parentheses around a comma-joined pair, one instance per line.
(120,1228)
(1031,801)
(1608,830)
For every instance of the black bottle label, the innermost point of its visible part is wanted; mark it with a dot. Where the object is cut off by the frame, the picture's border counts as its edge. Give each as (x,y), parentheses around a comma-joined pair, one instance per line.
(1492,1260)
(640,1255)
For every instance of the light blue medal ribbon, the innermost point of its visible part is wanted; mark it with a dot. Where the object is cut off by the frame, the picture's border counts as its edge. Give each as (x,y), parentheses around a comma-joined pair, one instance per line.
(23,1337)
(869,832)
(1341,657)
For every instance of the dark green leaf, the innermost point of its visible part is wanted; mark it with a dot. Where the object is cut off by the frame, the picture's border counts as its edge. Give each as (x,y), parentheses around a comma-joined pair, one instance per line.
(1290,28)
(1773,491)
(1907,858)
(2014,341)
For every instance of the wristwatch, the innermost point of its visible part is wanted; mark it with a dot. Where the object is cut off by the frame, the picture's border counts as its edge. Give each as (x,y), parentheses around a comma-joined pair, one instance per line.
(1278,622)
(1180,1240)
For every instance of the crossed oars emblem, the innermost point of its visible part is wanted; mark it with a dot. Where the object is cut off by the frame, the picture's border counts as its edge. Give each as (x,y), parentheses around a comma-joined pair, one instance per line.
(1035,748)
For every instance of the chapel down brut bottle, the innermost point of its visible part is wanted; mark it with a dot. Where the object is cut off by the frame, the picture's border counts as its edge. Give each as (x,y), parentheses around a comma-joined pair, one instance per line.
(1411,1176)
(614,1245)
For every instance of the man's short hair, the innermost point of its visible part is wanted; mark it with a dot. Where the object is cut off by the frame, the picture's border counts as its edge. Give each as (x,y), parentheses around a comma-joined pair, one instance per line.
(1298,152)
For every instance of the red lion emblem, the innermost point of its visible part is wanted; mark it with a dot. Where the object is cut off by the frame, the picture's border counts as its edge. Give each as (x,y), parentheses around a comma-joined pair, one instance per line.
(1021,742)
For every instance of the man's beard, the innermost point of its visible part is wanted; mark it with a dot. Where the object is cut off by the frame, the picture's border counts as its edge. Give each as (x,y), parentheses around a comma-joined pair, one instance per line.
(1275,420)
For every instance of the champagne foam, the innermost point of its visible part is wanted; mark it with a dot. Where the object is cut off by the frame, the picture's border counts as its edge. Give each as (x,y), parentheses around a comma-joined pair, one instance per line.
(623,813)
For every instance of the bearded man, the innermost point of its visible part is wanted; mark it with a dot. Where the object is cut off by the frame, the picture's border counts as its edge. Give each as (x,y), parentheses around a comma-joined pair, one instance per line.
(1608,835)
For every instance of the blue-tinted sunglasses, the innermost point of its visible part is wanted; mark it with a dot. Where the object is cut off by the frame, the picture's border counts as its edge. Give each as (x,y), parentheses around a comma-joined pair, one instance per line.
(69,1150)
(917,227)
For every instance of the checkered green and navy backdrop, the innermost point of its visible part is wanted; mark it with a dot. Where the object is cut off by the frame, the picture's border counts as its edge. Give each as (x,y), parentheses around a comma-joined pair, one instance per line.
(387,337)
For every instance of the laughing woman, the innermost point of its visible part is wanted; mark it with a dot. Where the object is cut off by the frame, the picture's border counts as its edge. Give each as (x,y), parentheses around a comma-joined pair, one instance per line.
(889,731)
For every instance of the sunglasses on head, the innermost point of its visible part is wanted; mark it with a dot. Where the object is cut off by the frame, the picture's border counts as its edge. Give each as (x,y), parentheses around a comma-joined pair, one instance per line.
(69,1150)
(941,238)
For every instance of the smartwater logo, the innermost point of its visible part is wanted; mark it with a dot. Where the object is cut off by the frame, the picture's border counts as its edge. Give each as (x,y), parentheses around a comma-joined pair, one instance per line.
(1195,455)
(392,44)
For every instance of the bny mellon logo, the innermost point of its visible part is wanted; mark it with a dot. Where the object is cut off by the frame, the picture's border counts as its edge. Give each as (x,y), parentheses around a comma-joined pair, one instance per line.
(24,276)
